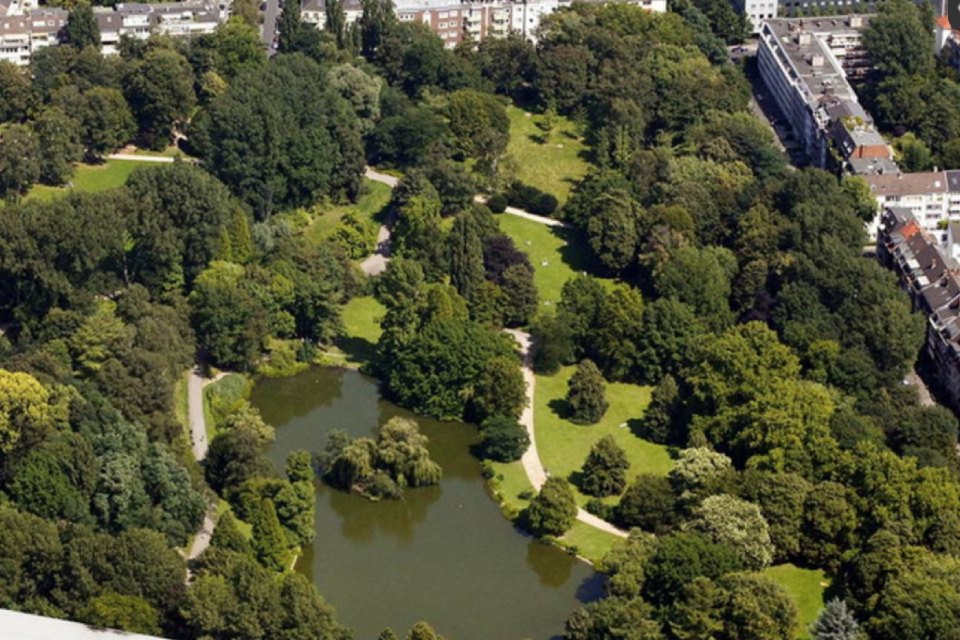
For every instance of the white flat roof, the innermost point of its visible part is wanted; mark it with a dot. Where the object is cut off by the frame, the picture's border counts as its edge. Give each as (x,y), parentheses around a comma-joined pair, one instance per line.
(24,626)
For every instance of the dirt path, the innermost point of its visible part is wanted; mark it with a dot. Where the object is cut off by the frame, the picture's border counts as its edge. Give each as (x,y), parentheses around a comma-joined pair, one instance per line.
(531,459)
(137,158)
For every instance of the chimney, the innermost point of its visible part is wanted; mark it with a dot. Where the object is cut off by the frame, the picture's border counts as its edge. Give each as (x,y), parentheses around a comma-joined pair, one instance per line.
(856,22)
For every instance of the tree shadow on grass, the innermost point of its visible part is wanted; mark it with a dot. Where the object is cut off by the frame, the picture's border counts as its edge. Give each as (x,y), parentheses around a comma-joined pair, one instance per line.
(574,252)
(576,478)
(561,408)
(537,138)
(356,349)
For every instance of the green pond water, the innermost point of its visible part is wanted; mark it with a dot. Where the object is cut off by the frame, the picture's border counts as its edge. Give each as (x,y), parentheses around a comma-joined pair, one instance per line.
(444,554)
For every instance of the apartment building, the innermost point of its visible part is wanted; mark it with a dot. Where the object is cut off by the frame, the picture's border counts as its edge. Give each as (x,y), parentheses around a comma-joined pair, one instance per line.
(932,197)
(928,272)
(457,22)
(757,11)
(805,65)
(24,30)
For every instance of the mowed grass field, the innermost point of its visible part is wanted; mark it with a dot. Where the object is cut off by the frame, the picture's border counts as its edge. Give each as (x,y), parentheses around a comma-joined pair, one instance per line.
(556,254)
(89,178)
(373,201)
(806,587)
(361,329)
(563,445)
(553,163)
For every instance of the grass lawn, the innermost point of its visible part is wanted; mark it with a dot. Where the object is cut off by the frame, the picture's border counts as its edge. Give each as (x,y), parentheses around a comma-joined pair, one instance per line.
(509,481)
(589,542)
(563,446)
(361,329)
(181,404)
(556,254)
(806,587)
(90,178)
(553,165)
(373,201)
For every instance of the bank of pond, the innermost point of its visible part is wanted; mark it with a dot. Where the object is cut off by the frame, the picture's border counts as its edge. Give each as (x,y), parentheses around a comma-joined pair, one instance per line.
(443,553)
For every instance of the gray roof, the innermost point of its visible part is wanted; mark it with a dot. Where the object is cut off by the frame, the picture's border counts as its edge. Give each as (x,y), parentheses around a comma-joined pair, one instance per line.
(23,626)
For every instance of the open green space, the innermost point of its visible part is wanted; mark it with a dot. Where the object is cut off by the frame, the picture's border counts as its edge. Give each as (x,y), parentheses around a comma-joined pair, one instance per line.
(589,542)
(552,162)
(806,587)
(181,408)
(563,445)
(361,331)
(371,203)
(90,178)
(557,254)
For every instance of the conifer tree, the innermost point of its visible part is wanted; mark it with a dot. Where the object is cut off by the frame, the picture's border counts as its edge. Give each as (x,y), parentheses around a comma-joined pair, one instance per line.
(586,394)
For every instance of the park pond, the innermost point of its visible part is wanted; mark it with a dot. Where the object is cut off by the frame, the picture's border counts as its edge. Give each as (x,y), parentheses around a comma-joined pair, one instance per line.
(443,554)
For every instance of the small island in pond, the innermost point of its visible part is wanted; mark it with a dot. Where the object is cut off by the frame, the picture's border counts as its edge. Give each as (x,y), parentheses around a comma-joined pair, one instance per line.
(380,468)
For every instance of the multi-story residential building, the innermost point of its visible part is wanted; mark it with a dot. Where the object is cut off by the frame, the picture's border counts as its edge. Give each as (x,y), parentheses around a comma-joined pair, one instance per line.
(933,197)
(470,20)
(929,274)
(805,65)
(757,11)
(24,32)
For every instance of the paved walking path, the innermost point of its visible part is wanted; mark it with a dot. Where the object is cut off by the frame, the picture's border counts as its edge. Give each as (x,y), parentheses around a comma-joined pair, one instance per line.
(138,158)
(377,261)
(198,438)
(531,459)
(520,213)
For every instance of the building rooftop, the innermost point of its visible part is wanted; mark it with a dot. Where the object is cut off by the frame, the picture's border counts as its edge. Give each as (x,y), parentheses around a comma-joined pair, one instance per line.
(24,626)
(807,47)
(905,184)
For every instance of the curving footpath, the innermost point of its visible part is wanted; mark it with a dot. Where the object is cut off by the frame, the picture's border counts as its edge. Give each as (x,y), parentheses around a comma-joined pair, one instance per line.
(531,459)
(198,438)
(377,262)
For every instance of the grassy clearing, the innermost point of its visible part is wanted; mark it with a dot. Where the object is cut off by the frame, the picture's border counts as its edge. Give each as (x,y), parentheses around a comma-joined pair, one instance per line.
(371,204)
(181,403)
(361,331)
(589,542)
(89,178)
(806,587)
(556,254)
(551,163)
(563,446)
(509,482)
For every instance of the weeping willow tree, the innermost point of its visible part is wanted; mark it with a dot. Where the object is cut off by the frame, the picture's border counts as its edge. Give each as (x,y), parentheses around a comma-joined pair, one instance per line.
(380,468)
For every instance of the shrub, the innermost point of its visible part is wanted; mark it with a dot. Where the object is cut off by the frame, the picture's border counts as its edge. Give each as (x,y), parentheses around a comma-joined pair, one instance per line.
(503,439)
(605,470)
(497,203)
(544,204)
(554,510)
(586,394)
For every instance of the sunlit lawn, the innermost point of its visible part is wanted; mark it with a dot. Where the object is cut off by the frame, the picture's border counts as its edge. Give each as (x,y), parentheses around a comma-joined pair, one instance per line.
(806,587)
(181,403)
(373,201)
(557,254)
(589,542)
(170,152)
(553,164)
(89,178)
(563,445)
(361,330)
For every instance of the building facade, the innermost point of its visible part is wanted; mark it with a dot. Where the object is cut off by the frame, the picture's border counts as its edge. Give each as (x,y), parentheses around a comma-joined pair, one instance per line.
(929,274)
(806,66)
(473,21)
(24,29)
(932,197)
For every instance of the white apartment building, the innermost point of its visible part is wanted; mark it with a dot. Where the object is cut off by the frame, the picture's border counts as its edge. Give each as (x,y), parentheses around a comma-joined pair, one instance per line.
(933,197)
(757,11)
(456,22)
(24,30)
